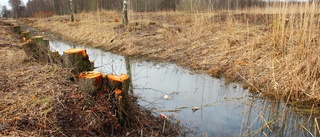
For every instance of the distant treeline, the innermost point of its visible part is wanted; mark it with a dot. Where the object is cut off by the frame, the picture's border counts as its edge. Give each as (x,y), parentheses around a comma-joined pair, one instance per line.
(43,8)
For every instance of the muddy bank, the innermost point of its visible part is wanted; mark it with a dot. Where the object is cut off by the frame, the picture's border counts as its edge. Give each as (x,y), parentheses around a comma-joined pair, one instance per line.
(260,55)
(39,99)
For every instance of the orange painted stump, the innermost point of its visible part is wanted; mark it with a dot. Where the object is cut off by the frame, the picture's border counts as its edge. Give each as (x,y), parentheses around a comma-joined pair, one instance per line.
(119,82)
(120,86)
(90,82)
(77,60)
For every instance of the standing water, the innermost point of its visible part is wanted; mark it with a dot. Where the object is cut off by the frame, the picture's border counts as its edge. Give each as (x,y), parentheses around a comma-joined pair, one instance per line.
(206,106)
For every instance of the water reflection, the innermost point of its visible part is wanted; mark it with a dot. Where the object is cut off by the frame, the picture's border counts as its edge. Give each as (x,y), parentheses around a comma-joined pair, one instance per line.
(224,109)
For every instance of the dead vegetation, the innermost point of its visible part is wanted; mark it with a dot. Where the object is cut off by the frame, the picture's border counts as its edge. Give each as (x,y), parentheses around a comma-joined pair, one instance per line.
(272,51)
(39,99)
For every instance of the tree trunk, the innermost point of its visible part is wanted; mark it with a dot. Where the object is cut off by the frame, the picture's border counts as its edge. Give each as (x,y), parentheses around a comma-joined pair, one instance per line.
(55,57)
(91,65)
(30,48)
(16,29)
(90,82)
(25,36)
(42,47)
(37,49)
(125,13)
(120,86)
(77,60)
(71,10)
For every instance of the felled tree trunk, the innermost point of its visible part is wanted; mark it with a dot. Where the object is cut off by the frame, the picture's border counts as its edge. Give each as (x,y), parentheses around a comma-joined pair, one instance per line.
(77,60)
(90,82)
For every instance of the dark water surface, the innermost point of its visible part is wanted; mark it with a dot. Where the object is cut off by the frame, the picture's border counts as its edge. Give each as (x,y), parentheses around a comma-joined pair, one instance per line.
(223,109)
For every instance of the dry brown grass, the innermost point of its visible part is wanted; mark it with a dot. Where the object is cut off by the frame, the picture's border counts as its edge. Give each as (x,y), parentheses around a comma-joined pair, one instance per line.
(273,51)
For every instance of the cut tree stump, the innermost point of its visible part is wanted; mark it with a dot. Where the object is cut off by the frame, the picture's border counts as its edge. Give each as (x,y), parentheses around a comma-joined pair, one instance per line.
(25,36)
(120,83)
(91,65)
(16,29)
(120,107)
(90,82)
(37,48)
(9,22)
(46,42)
(55,56)
(31,49)
(42,47)
(77,60)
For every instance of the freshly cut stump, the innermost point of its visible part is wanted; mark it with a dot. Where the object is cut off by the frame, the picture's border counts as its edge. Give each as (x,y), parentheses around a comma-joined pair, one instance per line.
(16,29)
(90,82)
(77,60)
(42,47)
(55,56)
(31,49)
(91,65)
(25,36)
(117,84)
(120,107)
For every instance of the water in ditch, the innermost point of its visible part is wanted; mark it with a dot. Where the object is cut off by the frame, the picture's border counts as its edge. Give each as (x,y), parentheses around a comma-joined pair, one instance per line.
(206,106)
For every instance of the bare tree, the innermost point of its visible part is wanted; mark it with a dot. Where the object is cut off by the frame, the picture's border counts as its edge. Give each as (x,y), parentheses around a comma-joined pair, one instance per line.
(16,7)
(4,11)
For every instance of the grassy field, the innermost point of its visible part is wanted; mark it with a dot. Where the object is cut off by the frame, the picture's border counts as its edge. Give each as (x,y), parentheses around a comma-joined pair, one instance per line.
(272,51)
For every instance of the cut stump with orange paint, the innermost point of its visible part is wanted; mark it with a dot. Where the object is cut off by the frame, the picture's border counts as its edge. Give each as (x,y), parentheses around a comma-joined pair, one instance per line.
(77,60)
(120,83)
(90,82)
(25,36)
